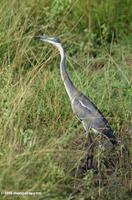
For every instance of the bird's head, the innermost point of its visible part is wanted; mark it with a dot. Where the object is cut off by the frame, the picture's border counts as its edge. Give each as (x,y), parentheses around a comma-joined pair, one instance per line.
(53,40)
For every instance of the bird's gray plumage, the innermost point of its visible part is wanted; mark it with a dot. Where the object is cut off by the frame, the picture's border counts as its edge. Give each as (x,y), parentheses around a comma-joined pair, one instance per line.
(82,107)
(91,117)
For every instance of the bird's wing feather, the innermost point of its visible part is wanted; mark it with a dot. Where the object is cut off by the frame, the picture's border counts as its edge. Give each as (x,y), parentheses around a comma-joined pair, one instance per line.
(85,109)
(80,109)
(91,117)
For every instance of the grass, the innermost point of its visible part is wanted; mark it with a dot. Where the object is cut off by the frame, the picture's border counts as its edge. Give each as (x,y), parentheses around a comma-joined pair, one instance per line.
(42,143)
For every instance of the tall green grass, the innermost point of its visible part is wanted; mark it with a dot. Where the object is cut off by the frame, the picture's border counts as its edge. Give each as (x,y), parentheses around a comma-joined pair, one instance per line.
(42,143)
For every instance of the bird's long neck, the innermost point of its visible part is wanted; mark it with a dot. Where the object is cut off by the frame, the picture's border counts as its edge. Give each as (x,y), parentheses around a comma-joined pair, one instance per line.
(70,88)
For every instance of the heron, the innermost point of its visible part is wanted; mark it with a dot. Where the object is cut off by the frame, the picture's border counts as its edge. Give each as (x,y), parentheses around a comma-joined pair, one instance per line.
(85,110)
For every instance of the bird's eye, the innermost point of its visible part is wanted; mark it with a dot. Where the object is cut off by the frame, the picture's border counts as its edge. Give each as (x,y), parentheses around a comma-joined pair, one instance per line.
(58,40)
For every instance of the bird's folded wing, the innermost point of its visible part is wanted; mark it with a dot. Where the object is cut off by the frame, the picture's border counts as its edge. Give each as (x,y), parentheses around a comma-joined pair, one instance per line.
(80,109)
(92,118)
(89,114)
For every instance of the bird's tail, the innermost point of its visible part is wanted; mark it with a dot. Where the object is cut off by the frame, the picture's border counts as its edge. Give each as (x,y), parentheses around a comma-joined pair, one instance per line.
(110,135)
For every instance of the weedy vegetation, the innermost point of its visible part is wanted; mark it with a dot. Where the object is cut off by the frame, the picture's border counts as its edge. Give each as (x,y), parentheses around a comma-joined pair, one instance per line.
(41,142)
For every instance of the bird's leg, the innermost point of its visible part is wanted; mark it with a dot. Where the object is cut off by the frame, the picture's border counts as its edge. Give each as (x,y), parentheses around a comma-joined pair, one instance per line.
(90,152)
(87,161)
